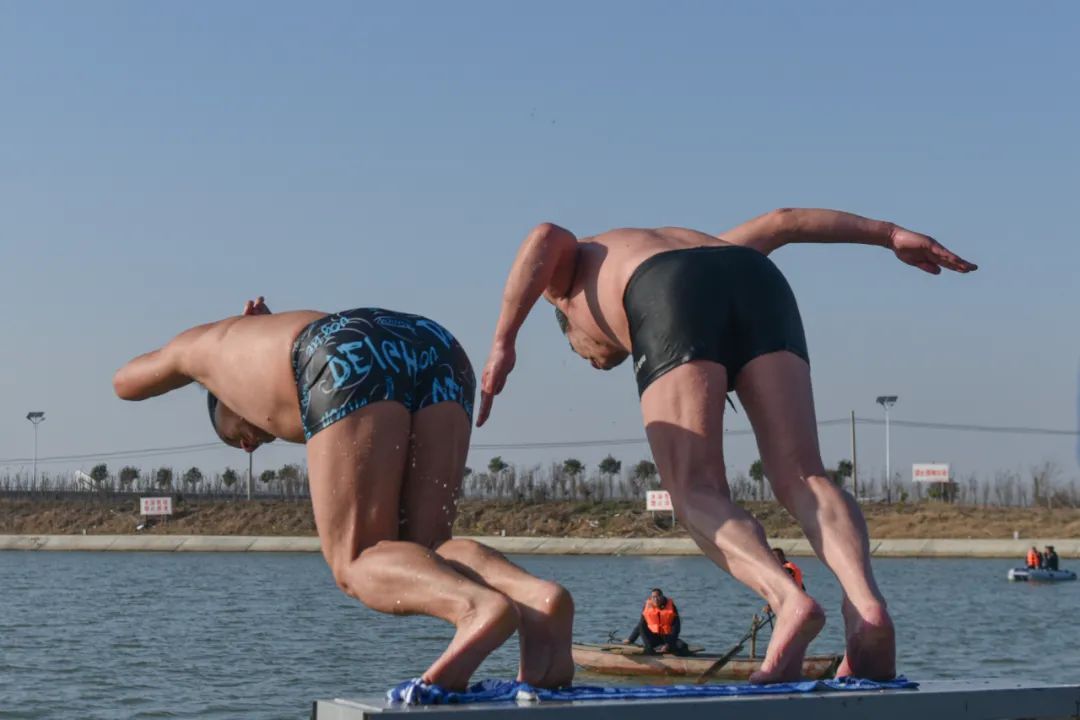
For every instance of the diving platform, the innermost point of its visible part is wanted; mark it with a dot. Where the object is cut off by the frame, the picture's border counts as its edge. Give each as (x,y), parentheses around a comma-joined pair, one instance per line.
(934,700)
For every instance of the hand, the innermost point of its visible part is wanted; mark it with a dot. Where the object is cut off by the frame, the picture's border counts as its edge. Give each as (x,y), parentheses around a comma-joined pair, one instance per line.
(926,253)
(256,307)
(500,363)
(661,649)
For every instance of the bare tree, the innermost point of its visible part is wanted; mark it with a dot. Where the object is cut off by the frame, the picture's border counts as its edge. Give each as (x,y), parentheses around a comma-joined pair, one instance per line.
(757,473)
(1042,482)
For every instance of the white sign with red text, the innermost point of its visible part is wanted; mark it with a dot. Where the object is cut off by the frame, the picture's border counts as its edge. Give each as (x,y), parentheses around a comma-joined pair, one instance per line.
(930,472)
(658,500)
(156,506)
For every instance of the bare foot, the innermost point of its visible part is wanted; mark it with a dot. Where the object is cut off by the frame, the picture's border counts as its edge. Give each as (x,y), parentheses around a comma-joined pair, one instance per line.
(479,631)
(797,623)
(871,644)
(547,623)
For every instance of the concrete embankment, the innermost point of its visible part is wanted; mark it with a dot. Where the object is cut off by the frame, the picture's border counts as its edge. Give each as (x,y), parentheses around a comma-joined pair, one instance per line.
(898,547)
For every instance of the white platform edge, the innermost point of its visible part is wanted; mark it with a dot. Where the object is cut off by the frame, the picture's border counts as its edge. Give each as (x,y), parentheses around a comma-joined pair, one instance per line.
(944,700)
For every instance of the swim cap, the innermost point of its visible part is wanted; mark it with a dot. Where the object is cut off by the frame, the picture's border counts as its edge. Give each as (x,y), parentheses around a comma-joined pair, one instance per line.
(211,405)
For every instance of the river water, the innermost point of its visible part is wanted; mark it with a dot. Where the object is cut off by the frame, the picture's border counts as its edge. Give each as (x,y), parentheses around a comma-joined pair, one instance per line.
(254,635)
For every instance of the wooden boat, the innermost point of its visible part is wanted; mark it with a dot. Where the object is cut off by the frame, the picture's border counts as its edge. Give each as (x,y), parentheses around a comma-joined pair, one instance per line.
(618,659)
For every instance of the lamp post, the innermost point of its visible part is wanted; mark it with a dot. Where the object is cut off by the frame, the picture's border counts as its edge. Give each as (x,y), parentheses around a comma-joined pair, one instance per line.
(36,417)
(887,401)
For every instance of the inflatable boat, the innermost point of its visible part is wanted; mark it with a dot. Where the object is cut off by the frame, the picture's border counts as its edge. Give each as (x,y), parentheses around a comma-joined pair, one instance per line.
(1023,574)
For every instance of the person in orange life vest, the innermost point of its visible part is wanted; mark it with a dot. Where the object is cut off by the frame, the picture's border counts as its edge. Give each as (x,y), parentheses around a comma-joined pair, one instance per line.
(1034,559)
(792,569)
(659,626)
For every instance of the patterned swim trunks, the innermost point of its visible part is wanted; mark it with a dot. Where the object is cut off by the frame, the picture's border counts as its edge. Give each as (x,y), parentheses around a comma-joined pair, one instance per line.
(348,360)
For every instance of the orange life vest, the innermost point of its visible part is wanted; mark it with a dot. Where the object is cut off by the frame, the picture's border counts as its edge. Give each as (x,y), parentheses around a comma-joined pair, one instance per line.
(661,621)
(795,572)
(1032,559)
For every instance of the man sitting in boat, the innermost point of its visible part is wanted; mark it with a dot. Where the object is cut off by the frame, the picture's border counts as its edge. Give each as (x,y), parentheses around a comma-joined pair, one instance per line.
(659,626)
(1034,558)
(792,569)
(1050,558)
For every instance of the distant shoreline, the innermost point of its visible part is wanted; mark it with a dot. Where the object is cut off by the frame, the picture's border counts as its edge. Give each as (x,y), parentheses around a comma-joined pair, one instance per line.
(194,516)
(894,547)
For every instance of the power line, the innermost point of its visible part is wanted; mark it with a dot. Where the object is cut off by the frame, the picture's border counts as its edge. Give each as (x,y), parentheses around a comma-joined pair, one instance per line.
(1011,430)
(119,454)
(540,445)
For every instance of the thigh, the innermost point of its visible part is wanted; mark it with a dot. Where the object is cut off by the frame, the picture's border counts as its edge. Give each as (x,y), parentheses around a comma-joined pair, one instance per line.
(683,412)
(435,468)
(356,468)
(776,392)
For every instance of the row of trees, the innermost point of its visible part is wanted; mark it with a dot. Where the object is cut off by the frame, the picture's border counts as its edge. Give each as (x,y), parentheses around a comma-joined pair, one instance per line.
(289,479)
(569,480)
(572,480)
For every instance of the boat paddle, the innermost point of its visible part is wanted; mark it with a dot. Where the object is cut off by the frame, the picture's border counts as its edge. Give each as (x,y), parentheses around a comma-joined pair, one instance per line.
(726,657)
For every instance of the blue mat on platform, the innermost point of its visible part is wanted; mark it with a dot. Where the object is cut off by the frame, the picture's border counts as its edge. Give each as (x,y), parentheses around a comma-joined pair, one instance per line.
(416,692)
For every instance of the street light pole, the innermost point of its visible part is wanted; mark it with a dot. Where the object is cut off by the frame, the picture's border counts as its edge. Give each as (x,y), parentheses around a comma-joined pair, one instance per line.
(887,401)
(36,417)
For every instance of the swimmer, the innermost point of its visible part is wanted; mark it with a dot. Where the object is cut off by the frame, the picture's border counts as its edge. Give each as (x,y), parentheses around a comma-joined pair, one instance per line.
(702,315)
(383,401)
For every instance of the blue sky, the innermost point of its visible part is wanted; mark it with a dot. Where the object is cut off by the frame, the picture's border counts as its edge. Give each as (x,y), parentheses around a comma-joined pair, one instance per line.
(161,163)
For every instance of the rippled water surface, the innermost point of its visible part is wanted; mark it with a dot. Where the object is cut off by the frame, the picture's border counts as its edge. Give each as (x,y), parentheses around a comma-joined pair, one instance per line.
(148,635)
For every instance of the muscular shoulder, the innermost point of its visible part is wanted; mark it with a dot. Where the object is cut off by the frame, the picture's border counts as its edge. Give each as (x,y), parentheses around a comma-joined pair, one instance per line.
(206,346)
(660,238)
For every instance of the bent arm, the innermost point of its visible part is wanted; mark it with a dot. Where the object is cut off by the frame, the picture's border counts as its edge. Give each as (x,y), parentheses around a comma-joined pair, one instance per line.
(777,228)
(544,266)
(159,371)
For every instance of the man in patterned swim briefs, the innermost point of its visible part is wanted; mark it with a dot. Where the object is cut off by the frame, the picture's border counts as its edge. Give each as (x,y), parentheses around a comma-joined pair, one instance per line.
(383,401)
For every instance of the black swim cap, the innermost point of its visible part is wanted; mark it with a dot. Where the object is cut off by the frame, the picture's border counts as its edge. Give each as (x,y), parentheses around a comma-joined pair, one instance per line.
(211,405)
(564,322)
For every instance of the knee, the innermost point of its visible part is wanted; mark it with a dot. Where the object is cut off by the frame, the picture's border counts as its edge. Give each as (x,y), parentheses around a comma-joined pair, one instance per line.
(343,563)
(558,599)
(339,568)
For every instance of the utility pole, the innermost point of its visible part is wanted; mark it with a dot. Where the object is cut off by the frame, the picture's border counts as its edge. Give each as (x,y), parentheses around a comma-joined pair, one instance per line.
(36,417)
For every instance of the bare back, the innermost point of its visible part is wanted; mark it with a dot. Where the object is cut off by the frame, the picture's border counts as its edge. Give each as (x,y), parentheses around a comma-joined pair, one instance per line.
(605,264)
(247,363)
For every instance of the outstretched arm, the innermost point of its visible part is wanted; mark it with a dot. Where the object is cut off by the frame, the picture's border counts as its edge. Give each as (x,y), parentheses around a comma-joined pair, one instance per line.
(173,366)
(159,371)
(777,228)
(544,266)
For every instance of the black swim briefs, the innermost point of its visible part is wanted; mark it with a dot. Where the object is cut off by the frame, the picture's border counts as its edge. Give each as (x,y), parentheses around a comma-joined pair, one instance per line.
(728,304)
(345,361)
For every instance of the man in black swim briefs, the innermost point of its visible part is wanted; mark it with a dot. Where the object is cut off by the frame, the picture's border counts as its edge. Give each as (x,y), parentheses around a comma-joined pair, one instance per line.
(702,315)
(383,401)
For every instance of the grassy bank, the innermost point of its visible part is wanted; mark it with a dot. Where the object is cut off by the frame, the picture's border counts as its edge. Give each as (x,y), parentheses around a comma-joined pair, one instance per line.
(555,519)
